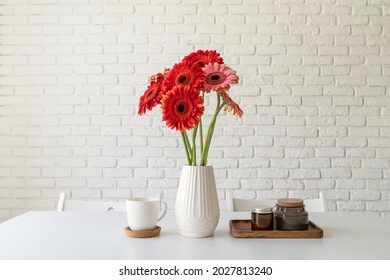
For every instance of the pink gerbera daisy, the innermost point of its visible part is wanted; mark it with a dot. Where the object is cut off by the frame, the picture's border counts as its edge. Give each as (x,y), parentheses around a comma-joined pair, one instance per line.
(231,105)
(218,76)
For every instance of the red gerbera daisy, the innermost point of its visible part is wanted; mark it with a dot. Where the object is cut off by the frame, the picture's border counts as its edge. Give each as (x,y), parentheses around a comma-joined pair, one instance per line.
(184,74)
(202,58)
(150,99)
(159,77)
(182,108)
(219,76)
(153,94)
(232,106)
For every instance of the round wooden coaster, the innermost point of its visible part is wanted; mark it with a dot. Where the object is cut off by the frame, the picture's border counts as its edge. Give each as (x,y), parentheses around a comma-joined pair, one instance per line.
(142,233)
(290,202)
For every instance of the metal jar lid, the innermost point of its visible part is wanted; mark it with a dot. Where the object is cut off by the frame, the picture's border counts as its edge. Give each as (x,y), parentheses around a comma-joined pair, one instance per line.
(262,210)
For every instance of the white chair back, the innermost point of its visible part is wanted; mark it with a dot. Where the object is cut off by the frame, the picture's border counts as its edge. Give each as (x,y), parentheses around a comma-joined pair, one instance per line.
(65,204)
(316,204)
(246,205)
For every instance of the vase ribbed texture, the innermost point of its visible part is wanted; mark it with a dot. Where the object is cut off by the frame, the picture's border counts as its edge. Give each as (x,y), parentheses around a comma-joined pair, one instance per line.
(197,208)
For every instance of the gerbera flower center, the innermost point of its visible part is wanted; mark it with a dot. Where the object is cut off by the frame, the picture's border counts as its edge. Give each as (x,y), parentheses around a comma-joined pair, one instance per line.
(202,63)
(215,78)
(181,108)
(150,94)
(183,79)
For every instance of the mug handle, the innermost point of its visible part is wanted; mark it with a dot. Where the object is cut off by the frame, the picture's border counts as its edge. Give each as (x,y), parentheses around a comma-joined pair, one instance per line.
(165,210)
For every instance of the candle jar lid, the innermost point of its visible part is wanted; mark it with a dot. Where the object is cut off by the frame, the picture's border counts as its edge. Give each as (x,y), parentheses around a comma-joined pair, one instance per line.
(262,210)
(290,202)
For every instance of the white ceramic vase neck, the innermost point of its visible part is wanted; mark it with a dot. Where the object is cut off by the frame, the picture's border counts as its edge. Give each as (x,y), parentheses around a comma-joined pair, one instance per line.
(197,208)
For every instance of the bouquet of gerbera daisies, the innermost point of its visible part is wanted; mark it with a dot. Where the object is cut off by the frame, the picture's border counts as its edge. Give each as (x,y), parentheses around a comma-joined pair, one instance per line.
(180,91)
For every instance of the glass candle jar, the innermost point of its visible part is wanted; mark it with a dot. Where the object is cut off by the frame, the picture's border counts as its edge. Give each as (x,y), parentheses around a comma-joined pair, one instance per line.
(262,218)
(290,214)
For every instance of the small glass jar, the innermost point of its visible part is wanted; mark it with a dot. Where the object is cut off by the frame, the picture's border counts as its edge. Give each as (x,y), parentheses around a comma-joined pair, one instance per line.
(262,218)
(290,214)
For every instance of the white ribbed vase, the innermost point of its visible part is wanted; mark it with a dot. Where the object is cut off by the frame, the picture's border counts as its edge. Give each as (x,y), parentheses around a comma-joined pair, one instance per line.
(197,208)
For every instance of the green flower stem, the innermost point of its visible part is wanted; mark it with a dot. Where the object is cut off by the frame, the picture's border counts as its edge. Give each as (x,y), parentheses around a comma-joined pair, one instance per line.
(201,130)
(211,131)
(194,145)
(208,139)
(185,140)
(201,135)
(188,144)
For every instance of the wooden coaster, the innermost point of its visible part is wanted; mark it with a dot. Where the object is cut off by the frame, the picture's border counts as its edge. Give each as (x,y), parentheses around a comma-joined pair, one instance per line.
(142,233)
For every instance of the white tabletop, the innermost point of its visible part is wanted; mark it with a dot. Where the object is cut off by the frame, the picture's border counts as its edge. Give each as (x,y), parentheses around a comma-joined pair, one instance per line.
(76,235)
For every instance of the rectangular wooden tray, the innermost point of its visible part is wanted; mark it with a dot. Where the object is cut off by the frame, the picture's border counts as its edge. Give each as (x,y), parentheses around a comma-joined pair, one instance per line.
(242,229)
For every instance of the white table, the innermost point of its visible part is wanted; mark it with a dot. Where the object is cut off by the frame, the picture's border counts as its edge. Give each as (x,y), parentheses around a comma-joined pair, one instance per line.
(76,235)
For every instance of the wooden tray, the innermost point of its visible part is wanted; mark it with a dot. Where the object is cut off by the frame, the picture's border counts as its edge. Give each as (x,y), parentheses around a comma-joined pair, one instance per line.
(242,229)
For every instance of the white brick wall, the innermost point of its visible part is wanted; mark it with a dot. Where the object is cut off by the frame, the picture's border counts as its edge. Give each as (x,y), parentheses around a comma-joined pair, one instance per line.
(314,85)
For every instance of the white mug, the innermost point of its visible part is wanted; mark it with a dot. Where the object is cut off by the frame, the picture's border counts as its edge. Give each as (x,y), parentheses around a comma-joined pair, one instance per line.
(143,213)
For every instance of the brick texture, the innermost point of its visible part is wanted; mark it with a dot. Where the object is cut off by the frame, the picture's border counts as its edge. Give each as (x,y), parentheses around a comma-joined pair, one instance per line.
(314,86)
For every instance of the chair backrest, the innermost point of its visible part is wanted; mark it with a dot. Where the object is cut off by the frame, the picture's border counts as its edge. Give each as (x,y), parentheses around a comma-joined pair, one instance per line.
(88,205)
(317,204)
(246,205)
